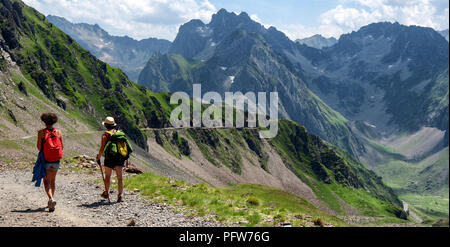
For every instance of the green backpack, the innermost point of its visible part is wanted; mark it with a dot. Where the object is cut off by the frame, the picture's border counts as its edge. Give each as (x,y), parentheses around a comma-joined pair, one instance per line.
(118,146)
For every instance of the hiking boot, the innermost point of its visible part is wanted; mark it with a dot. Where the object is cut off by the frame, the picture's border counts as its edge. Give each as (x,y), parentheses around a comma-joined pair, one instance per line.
(51,205)
(119,199)
(104,195)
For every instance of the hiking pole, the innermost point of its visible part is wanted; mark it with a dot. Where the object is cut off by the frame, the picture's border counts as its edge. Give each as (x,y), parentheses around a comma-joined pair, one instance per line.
(103,177)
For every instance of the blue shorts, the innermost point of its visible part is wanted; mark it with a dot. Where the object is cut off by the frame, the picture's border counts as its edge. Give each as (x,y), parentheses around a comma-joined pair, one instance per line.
(53,165)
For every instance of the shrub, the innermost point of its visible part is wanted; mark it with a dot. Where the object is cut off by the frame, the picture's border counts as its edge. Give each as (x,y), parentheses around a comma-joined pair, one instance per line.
(253,201)
(183,146)
(23,88)
(254,218)
(279,218)
(319,222)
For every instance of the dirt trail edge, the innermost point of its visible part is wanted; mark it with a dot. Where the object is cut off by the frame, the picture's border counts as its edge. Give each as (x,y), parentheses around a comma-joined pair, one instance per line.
(79,204)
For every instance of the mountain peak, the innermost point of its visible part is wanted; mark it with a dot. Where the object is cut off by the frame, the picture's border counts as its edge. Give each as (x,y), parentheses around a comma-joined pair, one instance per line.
(381,27)
(221,14)
(191,25)
(395,31)
(317,41)
(244,15)
(54,17)
(58,19)
(122,51)
(223,11)
(223,17)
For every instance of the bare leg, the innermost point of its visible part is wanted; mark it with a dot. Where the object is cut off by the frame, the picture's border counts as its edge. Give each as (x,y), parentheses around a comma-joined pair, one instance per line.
(52,180)
(47,186)
(119,179)
(49,183)
(108,172)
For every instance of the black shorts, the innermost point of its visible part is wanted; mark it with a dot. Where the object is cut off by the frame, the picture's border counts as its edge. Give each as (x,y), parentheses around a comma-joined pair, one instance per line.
(111,163)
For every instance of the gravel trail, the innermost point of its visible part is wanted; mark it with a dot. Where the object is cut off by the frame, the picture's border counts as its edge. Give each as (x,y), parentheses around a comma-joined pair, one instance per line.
(79,204)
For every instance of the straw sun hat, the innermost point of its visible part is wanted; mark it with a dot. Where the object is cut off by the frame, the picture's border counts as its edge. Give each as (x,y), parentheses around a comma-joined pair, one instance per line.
(109,121)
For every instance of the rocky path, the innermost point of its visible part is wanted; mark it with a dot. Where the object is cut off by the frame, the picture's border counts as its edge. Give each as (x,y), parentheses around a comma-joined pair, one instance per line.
(79,204)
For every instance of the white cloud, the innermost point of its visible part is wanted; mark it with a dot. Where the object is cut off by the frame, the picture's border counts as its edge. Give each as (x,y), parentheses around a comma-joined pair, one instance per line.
(135,18)
(257,19)
(350,15)
(343,19)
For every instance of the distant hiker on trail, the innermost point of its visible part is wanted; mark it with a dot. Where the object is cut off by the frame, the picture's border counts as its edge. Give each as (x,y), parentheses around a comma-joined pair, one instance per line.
(50,146)
(116,149)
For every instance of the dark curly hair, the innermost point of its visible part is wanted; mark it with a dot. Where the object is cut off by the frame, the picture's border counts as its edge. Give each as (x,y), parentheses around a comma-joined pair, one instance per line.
(49,118)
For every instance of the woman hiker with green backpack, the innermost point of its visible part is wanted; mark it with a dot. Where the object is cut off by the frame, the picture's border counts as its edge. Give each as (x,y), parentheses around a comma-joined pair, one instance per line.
(116,149)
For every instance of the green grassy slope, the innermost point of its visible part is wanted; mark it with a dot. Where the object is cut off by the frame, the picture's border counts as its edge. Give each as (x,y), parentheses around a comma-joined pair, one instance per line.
(243,204)
(422,184)
(332,174)
(333,171)
(415,166)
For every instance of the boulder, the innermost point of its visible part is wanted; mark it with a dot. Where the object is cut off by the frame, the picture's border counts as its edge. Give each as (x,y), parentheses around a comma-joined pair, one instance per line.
(131,222)
(132,168)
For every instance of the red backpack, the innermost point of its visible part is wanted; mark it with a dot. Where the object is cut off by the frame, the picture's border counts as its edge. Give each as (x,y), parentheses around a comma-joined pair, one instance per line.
(52,146)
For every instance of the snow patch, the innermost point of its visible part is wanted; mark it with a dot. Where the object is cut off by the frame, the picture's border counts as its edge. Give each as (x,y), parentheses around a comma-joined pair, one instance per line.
(370,125)
(231,78)
(204,31)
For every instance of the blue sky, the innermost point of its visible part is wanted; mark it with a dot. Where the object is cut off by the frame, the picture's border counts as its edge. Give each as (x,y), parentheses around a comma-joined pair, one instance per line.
(297,18)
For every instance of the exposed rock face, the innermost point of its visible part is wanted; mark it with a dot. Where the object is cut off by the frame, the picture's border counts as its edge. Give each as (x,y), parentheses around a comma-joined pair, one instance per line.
(317,41)
(387,74)
(126,53)
(378,74)
(234,53)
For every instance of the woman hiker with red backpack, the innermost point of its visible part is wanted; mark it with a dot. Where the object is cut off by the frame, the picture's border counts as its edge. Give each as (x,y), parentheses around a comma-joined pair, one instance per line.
(50,143)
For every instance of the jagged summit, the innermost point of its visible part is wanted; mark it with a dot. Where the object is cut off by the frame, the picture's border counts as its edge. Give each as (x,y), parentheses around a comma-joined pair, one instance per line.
(223,16)
(57,18)
(193,23)
(394,29)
